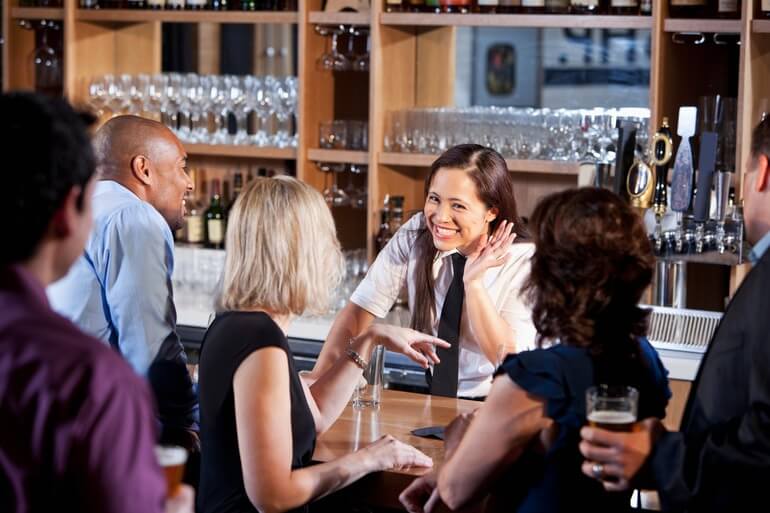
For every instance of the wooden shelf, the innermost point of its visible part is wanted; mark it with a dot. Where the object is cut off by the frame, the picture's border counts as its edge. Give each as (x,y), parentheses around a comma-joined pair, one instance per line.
(514,165)
(37,13)
(760,26)
(517,20)
(341,156)
(146,15)
(339,18)
(252,152)
(709,26)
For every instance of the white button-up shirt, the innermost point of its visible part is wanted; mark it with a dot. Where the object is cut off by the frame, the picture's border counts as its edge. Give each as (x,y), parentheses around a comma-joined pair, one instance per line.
(394,269)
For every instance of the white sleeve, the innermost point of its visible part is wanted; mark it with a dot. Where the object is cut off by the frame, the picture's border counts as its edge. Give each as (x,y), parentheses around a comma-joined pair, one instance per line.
(516,310)
(386,277)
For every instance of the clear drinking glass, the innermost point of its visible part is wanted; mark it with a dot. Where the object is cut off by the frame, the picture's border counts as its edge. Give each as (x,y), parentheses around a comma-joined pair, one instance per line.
(368,392)
(612,407)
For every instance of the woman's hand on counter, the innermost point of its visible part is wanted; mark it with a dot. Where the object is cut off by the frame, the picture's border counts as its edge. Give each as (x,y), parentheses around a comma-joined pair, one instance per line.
(417,346)
(490,251)
(422,495)
(389,453)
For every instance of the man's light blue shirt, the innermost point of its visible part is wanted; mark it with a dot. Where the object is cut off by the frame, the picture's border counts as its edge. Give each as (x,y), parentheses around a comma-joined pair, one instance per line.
(120,289)
(759,249)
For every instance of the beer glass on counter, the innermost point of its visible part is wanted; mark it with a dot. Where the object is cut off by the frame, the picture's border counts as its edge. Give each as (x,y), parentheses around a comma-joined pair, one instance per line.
(172,458)
(612,407)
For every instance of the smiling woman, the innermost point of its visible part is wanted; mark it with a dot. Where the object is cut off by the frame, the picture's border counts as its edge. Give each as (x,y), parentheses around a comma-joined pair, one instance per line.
(463,261)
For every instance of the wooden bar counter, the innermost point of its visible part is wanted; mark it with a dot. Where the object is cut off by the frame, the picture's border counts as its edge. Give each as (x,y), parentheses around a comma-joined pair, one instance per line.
(398,415)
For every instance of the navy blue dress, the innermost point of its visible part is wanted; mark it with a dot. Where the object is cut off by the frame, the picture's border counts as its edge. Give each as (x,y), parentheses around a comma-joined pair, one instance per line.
(552,481)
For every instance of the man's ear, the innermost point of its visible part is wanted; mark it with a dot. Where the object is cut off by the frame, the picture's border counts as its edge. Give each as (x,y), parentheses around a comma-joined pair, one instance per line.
(66,216)
(140,167)
(763,170)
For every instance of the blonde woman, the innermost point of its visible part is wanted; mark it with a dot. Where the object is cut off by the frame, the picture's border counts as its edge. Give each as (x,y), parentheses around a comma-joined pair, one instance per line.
(283,259)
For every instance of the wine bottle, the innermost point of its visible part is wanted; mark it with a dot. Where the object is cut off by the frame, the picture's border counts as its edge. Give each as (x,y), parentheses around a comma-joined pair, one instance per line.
(687,8)
(624,7)
(215,219)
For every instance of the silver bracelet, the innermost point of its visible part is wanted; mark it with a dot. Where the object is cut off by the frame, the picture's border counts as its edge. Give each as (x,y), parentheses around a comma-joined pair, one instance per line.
(353,355)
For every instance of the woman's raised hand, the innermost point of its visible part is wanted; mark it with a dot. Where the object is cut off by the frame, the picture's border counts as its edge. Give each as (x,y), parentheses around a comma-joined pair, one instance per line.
(490,251)
(414,344)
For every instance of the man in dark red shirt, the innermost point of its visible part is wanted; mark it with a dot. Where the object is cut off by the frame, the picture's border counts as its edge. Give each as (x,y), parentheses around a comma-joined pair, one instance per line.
(76,424)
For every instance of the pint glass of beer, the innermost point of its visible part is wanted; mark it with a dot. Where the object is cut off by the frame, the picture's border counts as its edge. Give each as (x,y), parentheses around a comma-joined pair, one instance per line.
(172,458)
(612,407)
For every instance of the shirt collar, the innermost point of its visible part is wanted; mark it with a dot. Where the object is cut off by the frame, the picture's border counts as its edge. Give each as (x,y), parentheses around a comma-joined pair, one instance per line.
(759,248)
(18,279)
(108,186)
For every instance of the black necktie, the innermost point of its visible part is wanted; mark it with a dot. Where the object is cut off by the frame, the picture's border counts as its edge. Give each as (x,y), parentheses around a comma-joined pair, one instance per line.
(444,381)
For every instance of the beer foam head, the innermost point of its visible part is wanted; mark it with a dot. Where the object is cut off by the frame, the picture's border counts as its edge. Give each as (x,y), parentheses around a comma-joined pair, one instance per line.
(170,455)
(612,417)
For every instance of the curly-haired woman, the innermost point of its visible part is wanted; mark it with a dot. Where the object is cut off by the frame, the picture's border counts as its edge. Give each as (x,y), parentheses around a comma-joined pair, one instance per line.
(591,264)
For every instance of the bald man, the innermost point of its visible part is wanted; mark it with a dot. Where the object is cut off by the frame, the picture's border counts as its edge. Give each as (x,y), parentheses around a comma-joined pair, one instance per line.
(119,290)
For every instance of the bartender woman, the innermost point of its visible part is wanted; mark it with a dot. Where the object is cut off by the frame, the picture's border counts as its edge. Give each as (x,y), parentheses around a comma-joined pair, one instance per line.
(463,260)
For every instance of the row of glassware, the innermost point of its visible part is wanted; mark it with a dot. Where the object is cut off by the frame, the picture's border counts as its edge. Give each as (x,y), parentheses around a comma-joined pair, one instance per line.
(206,109)
(517,133)
(198,271)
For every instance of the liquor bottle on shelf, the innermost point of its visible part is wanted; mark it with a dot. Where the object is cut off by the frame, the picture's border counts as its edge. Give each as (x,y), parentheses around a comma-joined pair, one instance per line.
(486,6)
(585,7)
(508,6)
(557,6)
(383,233)
(645,7)
(175,5)
(195,226)
(396,213)
(764,9)
(687,8)
(624,7)
(215,219)
(394,5)
(156,5)
(730,9)
(429,6)
(533,6)
(89,4)
(195,5)
(136,4)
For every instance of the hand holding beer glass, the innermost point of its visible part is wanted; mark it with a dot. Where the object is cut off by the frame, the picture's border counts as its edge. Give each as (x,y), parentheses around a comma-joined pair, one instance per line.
(611,407)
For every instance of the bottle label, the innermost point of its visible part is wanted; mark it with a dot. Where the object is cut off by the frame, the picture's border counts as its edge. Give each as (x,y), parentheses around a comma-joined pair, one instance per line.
(533,3)
(195,229)
(585,3)
(624,3)
(728,5)
(196,3)
(393,2)
(156,3)
(216,230)
(175,3)
(510,3)
(687,3)
(491,2)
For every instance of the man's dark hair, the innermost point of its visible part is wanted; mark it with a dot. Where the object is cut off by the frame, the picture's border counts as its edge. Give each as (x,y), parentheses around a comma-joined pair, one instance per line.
(760,139)
(48,152)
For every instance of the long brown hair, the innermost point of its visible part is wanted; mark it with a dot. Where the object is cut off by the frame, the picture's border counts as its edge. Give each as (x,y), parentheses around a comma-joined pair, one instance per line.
(494,186)
(592,263)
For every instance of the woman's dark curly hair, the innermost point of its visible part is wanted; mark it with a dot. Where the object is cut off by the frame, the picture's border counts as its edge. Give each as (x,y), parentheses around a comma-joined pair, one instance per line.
(592,263)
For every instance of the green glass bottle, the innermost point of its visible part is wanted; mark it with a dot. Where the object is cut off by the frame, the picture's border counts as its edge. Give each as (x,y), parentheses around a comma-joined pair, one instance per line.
(215,219)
